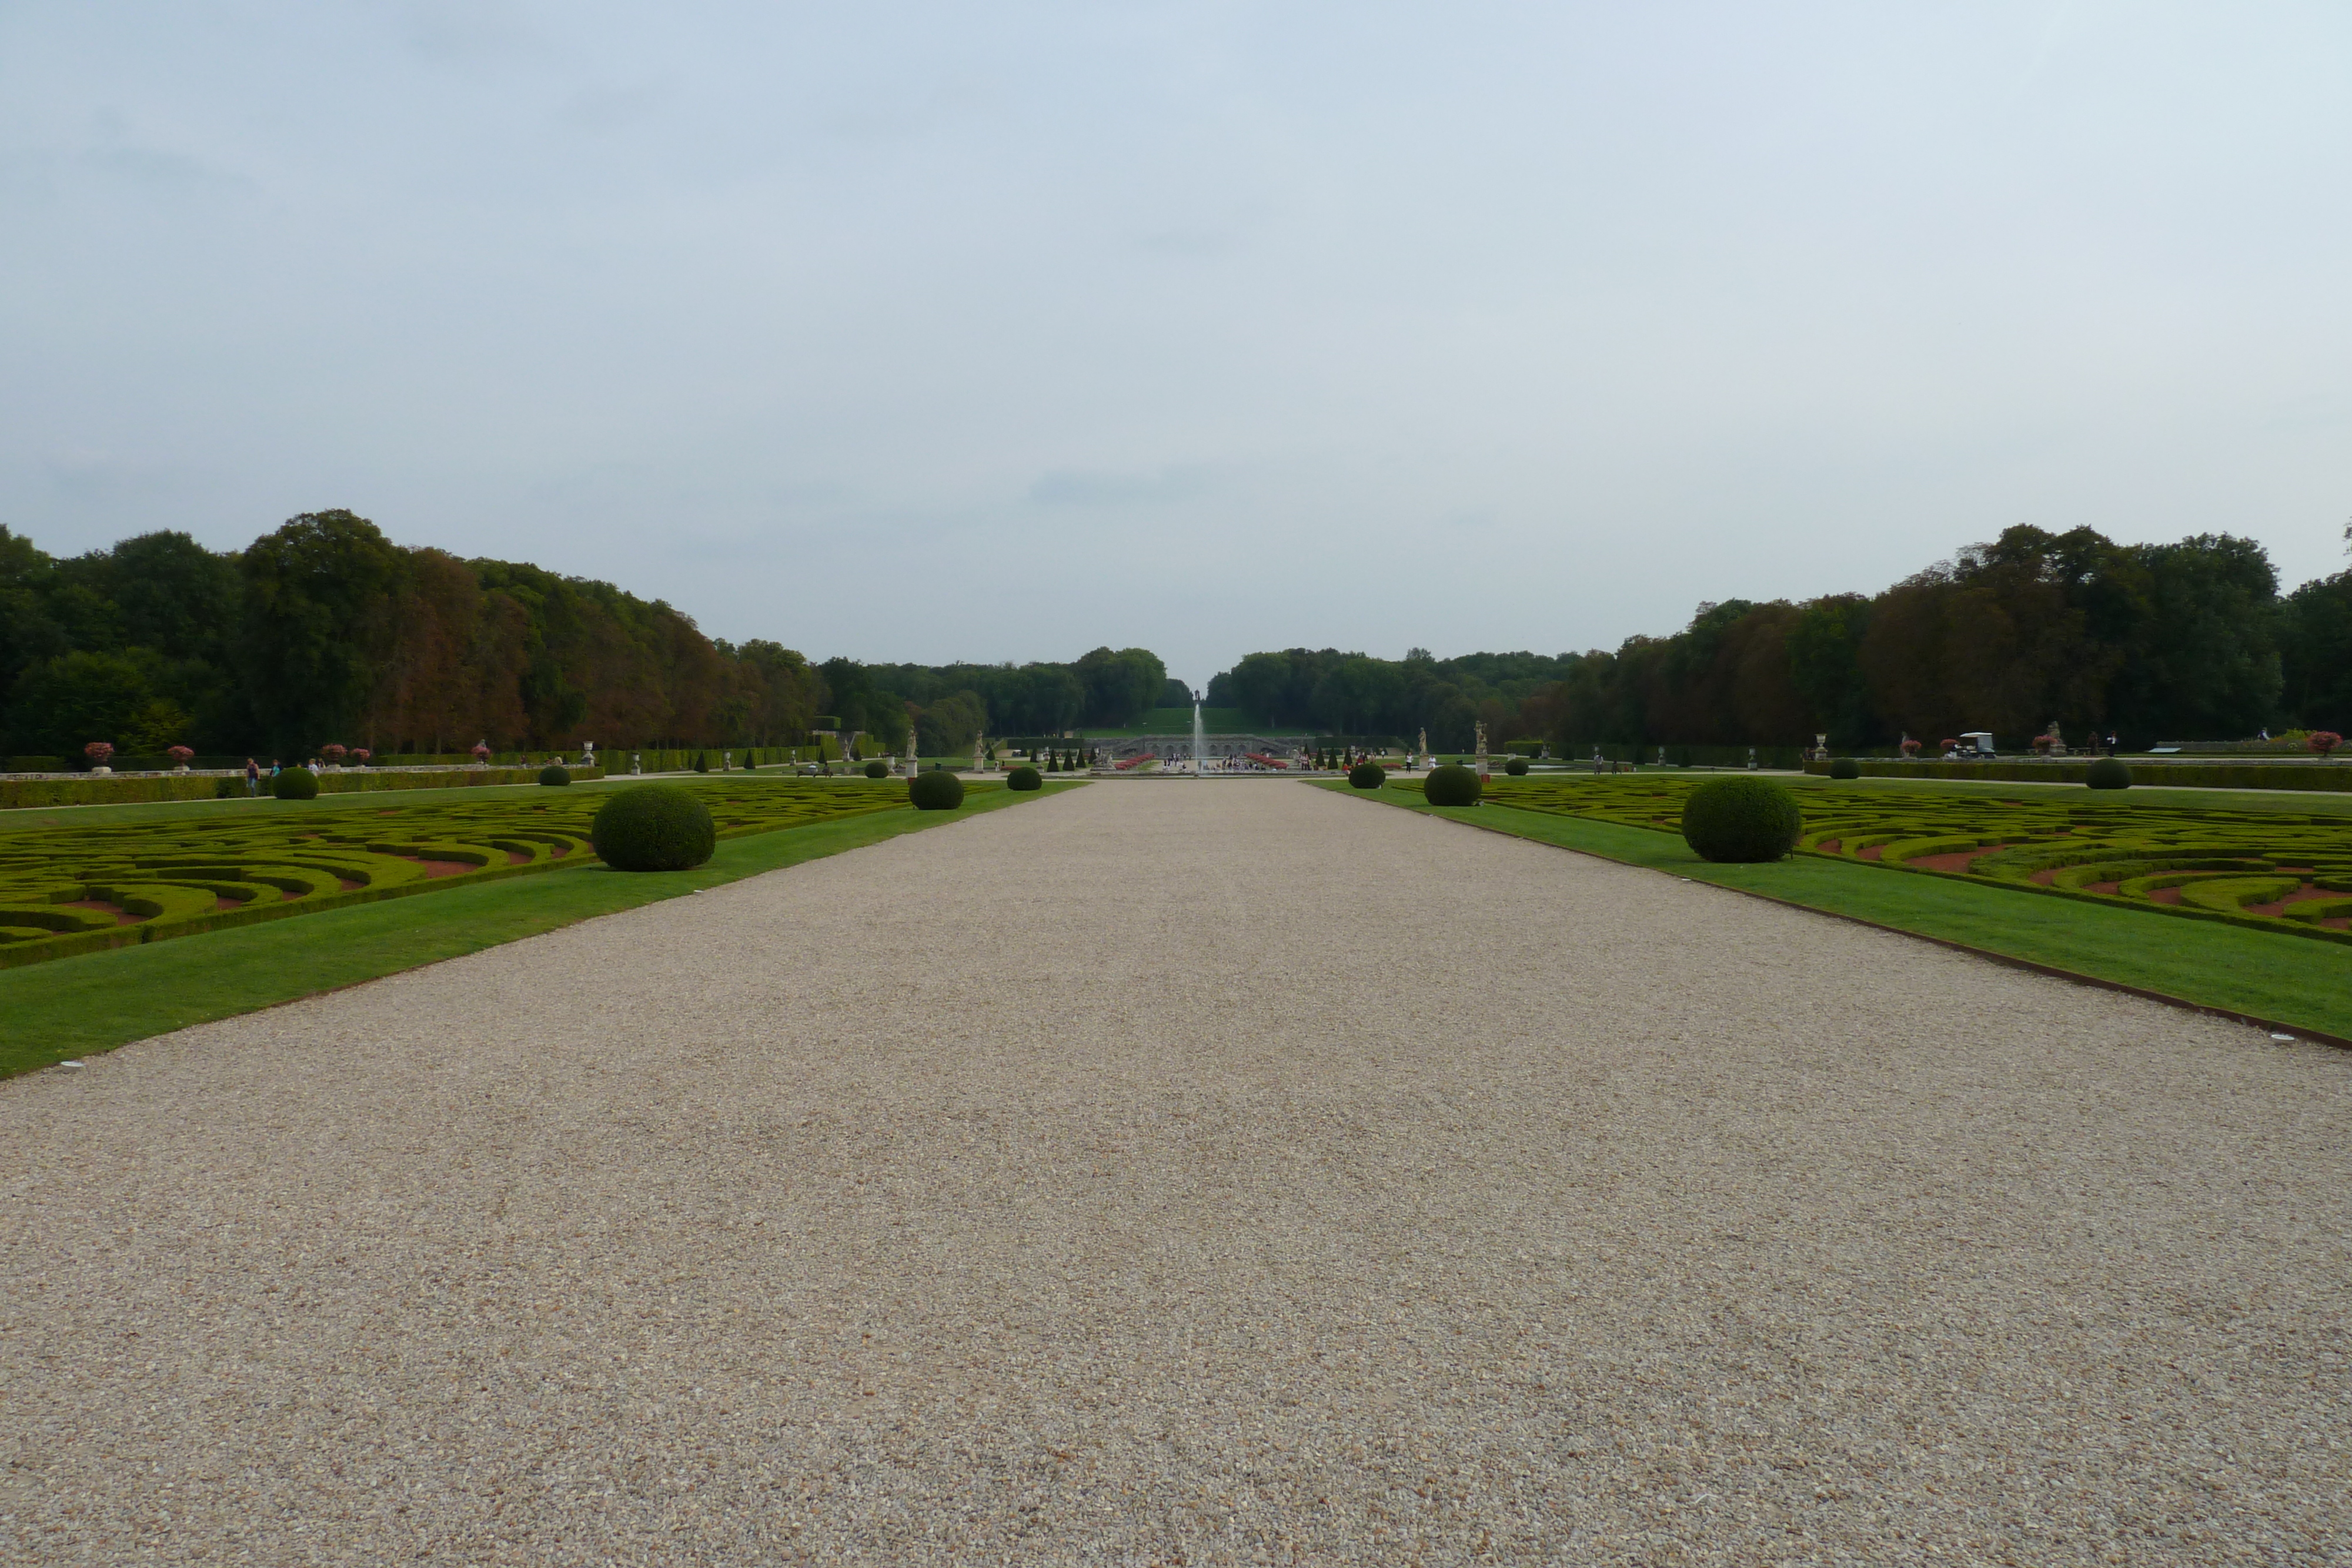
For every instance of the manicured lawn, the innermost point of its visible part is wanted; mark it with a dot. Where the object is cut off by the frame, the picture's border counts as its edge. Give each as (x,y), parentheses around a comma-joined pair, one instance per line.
(2292,981)
(72,1007)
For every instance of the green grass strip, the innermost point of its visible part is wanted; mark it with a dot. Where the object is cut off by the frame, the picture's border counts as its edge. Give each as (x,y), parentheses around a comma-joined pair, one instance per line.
(75,1007)
(2304,984)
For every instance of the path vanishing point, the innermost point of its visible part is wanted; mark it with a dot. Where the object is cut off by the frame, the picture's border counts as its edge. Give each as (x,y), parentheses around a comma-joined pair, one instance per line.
(1158,1173)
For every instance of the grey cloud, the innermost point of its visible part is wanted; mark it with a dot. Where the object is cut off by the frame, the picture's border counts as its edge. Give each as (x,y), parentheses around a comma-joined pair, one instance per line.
(1071,487)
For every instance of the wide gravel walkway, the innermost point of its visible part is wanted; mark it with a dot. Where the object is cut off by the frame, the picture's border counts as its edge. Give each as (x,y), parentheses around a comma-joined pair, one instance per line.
(1176,1172)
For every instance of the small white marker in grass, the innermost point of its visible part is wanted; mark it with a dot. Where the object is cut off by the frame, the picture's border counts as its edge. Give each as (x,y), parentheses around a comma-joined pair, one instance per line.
(2284,1038)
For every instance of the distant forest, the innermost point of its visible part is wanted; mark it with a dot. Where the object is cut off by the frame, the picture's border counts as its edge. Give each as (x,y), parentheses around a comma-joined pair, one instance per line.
(2179,642)
(325,631)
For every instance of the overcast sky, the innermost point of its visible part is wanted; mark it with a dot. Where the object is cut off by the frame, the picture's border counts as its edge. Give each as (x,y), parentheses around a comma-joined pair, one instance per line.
(1000,330)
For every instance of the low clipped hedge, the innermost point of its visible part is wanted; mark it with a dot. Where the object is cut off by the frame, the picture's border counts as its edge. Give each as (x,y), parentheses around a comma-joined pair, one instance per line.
(556,773)
(1741,821)
(937,791)
(1516,766)
(653,826)
(1024,778)
(1453,785)
(1845,768)
(878,769)
(295,784)
(2108,773)
(1368,776)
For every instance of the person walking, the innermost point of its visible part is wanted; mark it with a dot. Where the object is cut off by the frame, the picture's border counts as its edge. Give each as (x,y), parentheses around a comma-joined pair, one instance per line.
(252,777)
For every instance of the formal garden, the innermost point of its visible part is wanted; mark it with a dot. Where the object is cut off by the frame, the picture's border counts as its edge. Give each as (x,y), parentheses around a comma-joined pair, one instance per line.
(2280,871)
(69,886)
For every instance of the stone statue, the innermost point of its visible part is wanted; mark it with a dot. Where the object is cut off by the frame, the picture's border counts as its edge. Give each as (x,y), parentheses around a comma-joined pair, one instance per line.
(1421,756)
(1479,750)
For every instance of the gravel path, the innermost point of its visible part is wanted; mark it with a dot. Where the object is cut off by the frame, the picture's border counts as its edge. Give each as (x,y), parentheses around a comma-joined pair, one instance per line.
(1185,1173)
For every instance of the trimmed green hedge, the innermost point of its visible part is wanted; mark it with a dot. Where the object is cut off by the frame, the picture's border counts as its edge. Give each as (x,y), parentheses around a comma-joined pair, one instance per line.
(20,793)
(653,826)
(1368,776)
(1740,821)
(1451,785)
(937,791)
(295,784)
(2325,776)
(1024,778)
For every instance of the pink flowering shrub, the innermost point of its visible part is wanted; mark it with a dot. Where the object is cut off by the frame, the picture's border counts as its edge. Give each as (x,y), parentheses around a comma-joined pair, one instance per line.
(2323,741)
(332,753)
(182,756)
(98,751)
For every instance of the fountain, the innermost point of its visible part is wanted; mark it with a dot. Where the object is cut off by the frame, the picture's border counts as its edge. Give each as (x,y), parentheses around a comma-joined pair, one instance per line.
(1200,740)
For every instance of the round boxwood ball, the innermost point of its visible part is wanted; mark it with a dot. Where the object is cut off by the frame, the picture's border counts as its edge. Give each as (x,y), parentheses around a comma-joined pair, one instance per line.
(878,769)
(935,792)
(1023,778)
(2108,773)
(1516,766)
(1451,785)
(1741,820)
(1845,768)
(1368,776)
(653,826)
(556,773)
(295,784)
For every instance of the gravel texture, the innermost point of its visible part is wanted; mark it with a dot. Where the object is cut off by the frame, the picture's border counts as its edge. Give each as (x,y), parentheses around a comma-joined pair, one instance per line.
(1175,1172)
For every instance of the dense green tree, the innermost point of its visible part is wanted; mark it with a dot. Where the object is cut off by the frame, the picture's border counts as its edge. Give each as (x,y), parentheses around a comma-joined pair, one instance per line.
(2316,649)
(2205,659)
(1120,687)
(318,622)
(62,704)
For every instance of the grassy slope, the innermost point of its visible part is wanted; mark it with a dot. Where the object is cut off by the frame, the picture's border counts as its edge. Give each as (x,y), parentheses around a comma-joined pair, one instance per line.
(2282,978)
(72,1007)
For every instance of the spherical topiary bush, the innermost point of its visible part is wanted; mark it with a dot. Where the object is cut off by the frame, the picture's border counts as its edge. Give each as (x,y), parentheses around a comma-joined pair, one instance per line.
(653,826)
(556,773)
(1451,785)
(1368,776)
(1516,766)
(1741,820)
(878,769)
(295,784)
(937,790)
(2108,773)
(1023,778)
(1845,768)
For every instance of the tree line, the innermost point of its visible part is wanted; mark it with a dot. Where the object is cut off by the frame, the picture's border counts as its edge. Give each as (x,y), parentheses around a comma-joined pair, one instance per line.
(325,631)
(2190,641)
